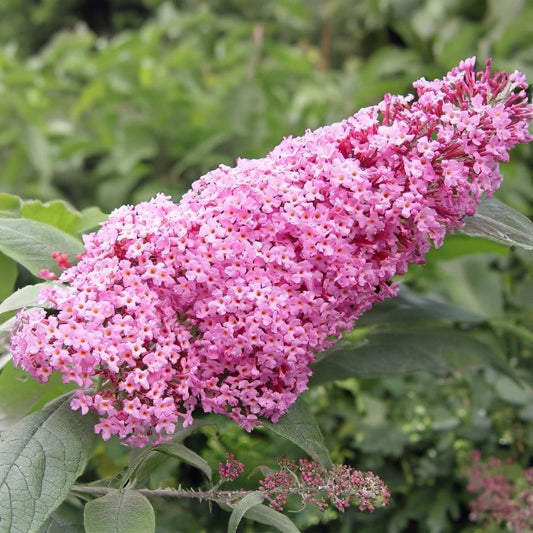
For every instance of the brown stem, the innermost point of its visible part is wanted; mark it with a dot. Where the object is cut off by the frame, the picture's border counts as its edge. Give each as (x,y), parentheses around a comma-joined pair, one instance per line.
(257,44)
(325,44)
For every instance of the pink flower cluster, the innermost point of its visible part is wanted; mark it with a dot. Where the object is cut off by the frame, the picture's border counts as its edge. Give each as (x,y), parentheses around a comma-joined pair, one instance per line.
(505,494)
(231,469)
(335,487)
(222,301)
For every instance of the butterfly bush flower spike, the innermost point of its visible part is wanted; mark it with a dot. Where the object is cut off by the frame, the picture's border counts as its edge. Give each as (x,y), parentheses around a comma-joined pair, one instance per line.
(221,302)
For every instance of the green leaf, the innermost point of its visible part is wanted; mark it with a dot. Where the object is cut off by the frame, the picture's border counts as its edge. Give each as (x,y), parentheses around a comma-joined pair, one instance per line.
(250,500)
(6,327)
(28,296)
(8,275)
(90,218)
(472,284)
(385,439)
(56,213)
(200,151)
(88,96)
(120,511)
(266,515)
(133,144)
(498,222)
(67,518)
(40,459)
(139,473)
(395,352)
(445,503)
(509,391)
(4,360)
(31,243)
(409,306)
(62,216)
(458,245)
(20,394)
(39,151)
(181,452)
(9,205)
(144,461)
(299,426)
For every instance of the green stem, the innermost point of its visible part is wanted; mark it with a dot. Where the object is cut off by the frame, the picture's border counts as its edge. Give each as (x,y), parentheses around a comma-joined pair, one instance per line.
(223,496)
(513,328)
(208,495)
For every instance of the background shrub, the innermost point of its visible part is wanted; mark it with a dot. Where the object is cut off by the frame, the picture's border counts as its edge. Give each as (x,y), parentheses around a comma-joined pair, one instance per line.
(108,105)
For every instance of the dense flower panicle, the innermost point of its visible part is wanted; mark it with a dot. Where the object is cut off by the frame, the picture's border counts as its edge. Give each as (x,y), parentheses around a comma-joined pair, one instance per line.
(222,301)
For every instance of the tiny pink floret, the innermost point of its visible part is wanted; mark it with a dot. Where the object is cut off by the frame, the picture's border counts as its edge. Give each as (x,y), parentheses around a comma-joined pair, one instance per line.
(221,302)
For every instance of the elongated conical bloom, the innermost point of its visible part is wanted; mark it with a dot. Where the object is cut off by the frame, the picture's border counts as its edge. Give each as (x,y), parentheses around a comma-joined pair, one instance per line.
(222,301)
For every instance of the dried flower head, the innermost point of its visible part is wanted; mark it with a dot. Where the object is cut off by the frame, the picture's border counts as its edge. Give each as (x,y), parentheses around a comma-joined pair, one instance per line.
(337,487)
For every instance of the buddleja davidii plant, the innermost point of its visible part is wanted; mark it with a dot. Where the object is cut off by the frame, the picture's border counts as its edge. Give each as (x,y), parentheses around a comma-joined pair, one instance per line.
(219,304)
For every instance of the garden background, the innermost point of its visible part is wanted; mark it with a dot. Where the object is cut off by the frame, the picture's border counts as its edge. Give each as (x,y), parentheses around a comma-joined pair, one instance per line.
(106,103)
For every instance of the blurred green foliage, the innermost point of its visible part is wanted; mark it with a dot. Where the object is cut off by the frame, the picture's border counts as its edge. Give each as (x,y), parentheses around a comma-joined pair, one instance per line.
(106,118)
(108,106)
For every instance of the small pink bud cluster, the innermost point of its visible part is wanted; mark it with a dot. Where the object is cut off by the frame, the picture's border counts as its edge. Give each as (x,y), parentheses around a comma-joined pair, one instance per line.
(62,263)
(231,469)
(336,487)
(221,302)
(505,494)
